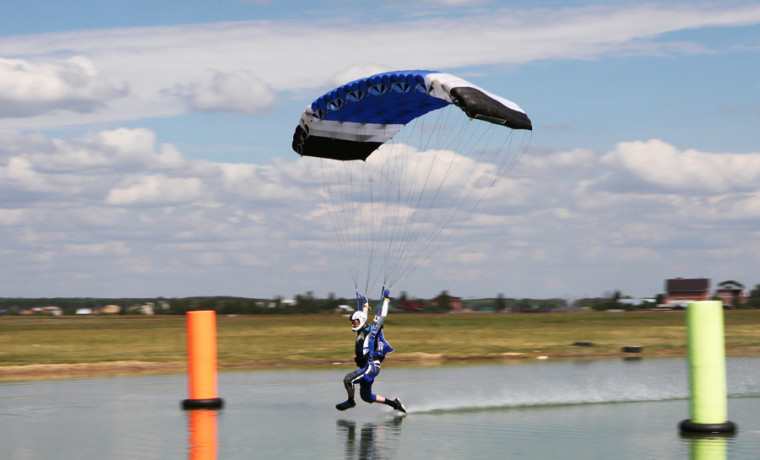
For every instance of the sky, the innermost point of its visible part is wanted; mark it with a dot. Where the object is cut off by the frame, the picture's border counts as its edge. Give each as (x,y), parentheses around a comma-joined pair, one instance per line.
(145,147)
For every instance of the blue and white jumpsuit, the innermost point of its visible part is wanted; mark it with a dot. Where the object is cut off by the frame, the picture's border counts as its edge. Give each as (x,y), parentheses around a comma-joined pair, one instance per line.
(371,348)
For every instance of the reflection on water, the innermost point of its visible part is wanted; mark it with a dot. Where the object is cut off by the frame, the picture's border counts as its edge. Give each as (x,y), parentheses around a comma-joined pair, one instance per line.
(375,438)
(202,434)
(540,410)
(708,447)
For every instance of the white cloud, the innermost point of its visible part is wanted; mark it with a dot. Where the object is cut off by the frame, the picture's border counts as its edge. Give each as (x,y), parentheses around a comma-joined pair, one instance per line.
(664,168)
(356,72)
(157,189)
(250,61)
(151,220)
(238,92)
(245,229)
(70,85)
(120,199)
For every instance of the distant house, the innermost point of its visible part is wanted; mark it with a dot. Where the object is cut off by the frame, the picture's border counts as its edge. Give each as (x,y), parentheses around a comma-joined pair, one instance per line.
(636,302)
(49,310)
(678,291)
(52,310)
(729,292)
(345,308)
(455,303)
(110,309)
(411,305)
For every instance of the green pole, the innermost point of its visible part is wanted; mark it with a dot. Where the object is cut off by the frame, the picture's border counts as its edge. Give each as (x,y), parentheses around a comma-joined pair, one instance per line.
(707,369)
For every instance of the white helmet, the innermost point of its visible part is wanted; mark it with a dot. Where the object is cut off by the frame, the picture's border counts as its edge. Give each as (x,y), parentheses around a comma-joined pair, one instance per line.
(361,316)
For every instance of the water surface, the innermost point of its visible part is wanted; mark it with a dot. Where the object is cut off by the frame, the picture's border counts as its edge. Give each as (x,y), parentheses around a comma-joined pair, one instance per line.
(538,410)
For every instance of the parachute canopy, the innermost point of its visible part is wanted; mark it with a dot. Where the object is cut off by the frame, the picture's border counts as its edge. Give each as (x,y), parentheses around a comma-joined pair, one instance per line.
(431,145)
(353,120)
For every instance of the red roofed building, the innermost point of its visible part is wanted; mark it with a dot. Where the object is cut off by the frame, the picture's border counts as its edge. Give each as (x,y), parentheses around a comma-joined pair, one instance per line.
(682,290)
(731,292)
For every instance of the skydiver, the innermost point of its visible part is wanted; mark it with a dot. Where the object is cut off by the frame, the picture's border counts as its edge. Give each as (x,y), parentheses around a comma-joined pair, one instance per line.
(371,348)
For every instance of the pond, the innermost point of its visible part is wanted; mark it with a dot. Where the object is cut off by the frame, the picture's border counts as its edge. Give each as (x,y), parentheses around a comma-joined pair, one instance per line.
(622,409)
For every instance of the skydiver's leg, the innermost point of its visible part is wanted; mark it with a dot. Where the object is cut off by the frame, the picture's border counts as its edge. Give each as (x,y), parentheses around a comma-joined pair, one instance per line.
(348,383)
(365,392)
(394,403)
(348,403)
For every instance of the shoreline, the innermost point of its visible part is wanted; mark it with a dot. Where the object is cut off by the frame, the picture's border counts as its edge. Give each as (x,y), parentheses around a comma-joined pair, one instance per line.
(132,368)
(123,346)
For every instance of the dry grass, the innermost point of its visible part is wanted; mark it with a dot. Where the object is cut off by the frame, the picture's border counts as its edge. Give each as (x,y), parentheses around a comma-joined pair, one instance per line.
(254,341)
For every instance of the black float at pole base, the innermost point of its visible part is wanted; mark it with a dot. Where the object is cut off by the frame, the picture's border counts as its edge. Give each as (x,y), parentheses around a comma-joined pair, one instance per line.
(687,426)
(211,403)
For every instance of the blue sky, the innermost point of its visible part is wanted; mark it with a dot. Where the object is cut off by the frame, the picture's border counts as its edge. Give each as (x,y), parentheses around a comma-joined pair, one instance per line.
(146,145)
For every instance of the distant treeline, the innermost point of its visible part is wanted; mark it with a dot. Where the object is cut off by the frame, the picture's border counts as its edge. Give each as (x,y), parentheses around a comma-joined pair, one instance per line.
(301,304)
(171,306)
(309,304)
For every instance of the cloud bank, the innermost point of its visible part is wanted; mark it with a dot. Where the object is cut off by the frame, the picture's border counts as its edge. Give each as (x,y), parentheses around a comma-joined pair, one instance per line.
(243,67)
(148,216)
(94,202)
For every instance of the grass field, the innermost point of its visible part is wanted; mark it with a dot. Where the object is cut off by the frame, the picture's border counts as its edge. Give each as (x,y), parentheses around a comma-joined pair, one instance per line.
(313,340)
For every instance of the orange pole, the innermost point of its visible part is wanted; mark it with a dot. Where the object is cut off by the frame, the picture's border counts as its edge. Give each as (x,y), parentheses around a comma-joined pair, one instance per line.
(201,360)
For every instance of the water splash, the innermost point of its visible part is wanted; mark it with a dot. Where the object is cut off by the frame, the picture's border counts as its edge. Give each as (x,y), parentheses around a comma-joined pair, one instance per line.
(549,383)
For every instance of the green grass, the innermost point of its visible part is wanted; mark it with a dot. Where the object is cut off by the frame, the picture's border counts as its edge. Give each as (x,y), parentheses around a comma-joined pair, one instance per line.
(251,341)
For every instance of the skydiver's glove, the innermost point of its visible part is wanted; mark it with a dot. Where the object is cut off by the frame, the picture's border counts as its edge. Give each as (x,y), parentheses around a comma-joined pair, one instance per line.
(358,361)
(361,301)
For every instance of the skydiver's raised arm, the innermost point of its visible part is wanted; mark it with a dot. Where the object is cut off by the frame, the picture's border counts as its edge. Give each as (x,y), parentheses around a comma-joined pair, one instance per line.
(383,311)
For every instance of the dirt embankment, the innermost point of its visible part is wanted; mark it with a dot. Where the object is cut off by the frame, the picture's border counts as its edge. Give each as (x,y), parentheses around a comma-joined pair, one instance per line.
(118,368)
(55,371)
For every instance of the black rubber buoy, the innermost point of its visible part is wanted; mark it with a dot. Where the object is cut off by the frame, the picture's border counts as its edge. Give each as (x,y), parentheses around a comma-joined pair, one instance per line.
(631,349)
(211,403)
(688,426)
(583,344)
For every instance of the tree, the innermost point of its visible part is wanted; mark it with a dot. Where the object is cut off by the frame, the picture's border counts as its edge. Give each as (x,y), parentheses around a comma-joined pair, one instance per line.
(442,303)
(523,306)
(305,303)
(754,297)
(500,304)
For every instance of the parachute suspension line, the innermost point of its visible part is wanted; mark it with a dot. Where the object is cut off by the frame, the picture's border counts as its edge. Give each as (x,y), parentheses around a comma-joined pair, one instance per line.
(414,247)
(347,197)
(364,221)
(382,186)
(407,171)
(459,213)
(423,199)
(409,202)
(392,208)
(497,160)
(330,198)
(397,208)
(429,192)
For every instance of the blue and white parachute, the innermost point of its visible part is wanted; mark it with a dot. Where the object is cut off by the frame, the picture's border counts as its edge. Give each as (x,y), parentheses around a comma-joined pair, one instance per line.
(402,159)
(353,120)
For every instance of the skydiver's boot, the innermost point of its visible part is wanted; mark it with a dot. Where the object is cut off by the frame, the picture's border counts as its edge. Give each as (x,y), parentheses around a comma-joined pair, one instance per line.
(347,404)
(396,404)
